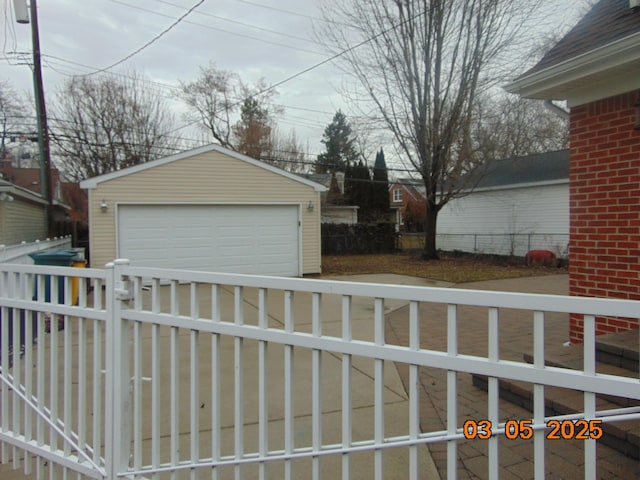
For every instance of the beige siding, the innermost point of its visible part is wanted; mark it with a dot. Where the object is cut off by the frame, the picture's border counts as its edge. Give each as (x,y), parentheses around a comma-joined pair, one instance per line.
(210,177)
(21,221)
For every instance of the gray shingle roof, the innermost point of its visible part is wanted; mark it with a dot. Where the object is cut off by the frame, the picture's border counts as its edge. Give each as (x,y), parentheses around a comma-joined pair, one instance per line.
(541,167)
(321,178)
(606,22)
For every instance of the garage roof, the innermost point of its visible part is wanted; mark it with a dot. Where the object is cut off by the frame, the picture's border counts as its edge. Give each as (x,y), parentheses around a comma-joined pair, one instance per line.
(93,182)
(535,168)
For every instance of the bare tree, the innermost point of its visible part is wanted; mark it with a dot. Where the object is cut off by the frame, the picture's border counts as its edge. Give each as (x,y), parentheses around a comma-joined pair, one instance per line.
(509,126)
(15,117)
(287,152)
(423,63)
(212,99)
(106,123)
(240,116)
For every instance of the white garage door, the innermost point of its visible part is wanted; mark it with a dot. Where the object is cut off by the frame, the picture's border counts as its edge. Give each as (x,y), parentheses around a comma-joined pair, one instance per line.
(261,240)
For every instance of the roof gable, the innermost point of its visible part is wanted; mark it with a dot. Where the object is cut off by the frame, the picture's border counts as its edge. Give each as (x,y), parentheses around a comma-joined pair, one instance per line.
(93,182)
(415,188)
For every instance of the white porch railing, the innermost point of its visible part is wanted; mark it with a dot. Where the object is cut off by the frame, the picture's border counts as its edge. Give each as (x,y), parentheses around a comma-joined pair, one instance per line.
(177,374)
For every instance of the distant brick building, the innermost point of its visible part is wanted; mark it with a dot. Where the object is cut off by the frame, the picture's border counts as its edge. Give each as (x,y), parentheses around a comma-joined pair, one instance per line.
(408,202)
(596,69)
(29,178)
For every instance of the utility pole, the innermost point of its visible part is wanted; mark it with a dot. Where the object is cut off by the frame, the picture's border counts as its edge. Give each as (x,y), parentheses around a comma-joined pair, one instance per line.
(41,111)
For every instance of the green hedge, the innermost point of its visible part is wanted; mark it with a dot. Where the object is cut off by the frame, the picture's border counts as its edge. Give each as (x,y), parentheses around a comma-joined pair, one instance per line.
(343,238)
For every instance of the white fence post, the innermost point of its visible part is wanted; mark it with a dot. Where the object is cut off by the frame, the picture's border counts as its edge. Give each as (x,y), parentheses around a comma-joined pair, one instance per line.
(117,398)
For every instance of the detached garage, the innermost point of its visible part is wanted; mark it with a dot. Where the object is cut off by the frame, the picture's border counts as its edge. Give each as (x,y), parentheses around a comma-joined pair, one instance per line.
(208,209)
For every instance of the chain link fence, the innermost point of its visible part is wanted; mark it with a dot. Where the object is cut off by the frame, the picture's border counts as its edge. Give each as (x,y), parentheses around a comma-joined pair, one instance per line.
(508,244)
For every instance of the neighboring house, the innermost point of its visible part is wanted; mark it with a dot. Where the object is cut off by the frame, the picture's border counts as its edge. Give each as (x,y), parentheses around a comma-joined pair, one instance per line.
(208,209)
(76,198)
(22,215)
(331,212)
(405,193)
(29,178)
(518,204)
(596,69)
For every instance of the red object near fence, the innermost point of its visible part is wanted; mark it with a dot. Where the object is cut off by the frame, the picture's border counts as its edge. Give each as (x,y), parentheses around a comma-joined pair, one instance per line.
(541,258)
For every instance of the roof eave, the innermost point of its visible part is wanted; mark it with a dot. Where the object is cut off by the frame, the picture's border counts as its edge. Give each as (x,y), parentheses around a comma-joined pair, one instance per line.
(92,183)
(552,83)
(22,193)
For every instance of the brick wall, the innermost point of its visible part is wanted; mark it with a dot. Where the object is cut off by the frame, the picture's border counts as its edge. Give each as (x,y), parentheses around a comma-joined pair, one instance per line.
(605,206)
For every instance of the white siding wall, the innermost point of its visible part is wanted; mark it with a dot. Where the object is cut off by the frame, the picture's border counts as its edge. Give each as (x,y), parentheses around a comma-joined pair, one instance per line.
(494,214)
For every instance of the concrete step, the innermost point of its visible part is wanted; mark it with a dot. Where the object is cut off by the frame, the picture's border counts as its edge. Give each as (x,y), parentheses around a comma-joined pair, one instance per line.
(623,437)
(575,362)
(619,349)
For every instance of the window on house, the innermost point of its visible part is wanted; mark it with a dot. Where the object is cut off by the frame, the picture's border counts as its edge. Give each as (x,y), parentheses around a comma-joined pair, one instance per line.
(397,195)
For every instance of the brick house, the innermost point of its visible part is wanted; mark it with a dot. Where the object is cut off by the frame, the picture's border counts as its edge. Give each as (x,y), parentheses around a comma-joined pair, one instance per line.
(29,178)
(596,69)
(406,193)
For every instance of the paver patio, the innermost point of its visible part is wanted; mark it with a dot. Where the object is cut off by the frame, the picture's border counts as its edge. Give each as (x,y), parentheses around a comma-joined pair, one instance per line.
(564,458)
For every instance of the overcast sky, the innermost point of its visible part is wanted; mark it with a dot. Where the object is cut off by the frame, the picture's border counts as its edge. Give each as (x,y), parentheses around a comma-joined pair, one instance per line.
(254,38)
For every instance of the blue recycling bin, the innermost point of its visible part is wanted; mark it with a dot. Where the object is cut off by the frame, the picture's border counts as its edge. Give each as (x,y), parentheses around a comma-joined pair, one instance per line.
(55,258)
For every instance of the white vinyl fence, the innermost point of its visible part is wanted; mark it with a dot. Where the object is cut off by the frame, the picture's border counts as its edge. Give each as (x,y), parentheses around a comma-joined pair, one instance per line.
(20,253)
(154,373)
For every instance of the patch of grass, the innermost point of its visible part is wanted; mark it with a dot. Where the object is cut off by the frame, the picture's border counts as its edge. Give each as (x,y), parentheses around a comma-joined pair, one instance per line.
(454,268)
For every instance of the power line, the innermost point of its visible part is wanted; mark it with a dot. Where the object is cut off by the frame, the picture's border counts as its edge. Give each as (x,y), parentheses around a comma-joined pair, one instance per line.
(291,12)
(337,55)
(9,28)
(262,40)
(237,22)
(167,86)
(193,141)
(313,67)
(154,39)
(117,74)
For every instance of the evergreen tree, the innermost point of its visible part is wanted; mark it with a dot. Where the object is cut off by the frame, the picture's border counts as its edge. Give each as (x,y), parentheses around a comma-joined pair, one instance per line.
(380,188)
(358,190)
(334,195)
(339,141)
(252,133)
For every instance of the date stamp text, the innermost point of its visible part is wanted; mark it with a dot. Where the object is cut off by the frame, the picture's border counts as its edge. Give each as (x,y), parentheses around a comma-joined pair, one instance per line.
(523,429)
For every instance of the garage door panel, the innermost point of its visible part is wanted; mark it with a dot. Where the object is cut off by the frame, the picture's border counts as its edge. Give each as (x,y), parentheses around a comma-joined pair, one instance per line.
(228,238)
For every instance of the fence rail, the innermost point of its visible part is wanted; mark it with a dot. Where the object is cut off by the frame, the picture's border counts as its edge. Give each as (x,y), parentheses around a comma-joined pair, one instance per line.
(178,374)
